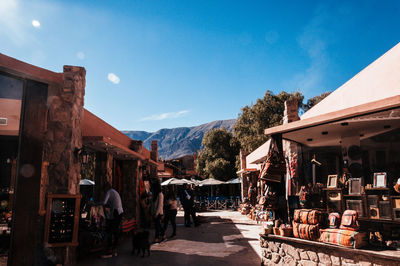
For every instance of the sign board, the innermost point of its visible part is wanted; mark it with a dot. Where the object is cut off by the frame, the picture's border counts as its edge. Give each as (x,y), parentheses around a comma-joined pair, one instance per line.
(62,220)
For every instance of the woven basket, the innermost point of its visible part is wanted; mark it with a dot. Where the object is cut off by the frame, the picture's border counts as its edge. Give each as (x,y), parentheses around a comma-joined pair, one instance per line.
(276,231)
(286,231)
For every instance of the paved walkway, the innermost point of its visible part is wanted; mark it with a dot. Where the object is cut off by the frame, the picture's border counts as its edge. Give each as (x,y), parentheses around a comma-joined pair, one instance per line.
(223,238)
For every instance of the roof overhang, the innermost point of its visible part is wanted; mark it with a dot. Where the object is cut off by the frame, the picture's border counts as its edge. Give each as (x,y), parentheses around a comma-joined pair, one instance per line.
(258,155)
(150,161)
(352,112)
(25,70)
(246,171)
(104,144)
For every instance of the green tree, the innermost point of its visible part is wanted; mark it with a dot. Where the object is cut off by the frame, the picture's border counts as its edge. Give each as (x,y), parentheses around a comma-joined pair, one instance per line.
(266,112)
(314,100)
(218,156)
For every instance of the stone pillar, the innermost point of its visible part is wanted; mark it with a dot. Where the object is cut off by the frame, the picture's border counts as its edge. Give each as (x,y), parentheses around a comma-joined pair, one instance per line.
(154,150)
(64,135)
(139,180)
(129,193)
(245,182)
(63,141)
(103,173)
(291,112)
(291,149)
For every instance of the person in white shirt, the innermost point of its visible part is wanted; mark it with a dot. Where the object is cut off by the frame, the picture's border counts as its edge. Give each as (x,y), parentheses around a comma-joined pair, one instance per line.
(112,199)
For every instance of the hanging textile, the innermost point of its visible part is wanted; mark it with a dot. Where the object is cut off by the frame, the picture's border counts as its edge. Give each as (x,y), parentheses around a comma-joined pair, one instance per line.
(274,166)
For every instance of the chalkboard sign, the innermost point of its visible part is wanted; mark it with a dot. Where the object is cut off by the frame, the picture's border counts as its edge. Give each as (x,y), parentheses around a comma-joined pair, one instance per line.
(62,219)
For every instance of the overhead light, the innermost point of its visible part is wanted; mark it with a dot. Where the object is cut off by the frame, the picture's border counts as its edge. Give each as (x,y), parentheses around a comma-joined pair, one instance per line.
(344,124)
(310,139)
(324,132)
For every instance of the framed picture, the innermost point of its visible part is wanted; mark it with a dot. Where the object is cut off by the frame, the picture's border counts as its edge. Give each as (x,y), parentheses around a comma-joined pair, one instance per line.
(332,181)
(385,211)
(396,203)
(356,205)
(334,195)
(372,200)
(355,186)
(396,214)
(62,220)
(334,206)
(373,212)
(380,180)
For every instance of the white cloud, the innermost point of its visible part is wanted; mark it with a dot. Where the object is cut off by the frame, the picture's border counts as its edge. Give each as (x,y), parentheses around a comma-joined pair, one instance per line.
(163,116)
(81,56)
(35,23)
(113,78)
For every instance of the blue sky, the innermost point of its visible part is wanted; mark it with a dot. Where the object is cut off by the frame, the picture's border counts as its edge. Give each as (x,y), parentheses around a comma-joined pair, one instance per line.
(163,64)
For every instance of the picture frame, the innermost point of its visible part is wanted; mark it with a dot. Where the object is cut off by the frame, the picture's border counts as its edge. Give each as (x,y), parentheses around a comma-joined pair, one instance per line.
(380,180)
(355,186)
(334,195)
(396,214)
(396,203)
(385,210)
(372,200)
(62,220)
(332,181)
(334,206)
(356,205)
(373,212)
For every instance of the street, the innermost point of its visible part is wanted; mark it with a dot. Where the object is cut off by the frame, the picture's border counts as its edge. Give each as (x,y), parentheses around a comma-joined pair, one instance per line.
(223,238)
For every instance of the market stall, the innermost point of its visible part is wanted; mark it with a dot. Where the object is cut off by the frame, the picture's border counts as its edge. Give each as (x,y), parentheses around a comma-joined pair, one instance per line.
(342,175)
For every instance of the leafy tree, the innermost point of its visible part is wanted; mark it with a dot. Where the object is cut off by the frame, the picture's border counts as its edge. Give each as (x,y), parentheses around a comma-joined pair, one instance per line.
(266,112)
(218,156)
(314,100)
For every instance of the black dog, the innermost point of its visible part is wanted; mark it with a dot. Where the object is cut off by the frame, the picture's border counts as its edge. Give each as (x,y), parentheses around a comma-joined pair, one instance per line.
(140,242)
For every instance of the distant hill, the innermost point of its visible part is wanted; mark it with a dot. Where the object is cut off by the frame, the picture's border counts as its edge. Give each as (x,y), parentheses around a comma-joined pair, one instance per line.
(177,142)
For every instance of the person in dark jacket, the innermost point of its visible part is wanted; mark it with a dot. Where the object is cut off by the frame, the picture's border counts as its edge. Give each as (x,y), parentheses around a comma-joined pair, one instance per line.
(187,201)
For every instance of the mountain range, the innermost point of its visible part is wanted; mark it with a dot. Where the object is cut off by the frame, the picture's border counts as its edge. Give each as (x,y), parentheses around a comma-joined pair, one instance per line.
(180,141)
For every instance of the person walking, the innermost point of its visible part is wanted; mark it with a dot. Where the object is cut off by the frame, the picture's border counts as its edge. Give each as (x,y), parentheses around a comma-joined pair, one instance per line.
(171,211)
(114,211)
(158,212)
(187,201)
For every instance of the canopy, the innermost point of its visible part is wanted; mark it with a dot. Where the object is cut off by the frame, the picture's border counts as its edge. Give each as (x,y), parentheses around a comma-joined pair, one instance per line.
(211,181)
(86,182)
(234,181)
(176,181)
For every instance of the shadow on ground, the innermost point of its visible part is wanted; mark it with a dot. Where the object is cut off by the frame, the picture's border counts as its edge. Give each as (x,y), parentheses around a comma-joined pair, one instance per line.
(216,241)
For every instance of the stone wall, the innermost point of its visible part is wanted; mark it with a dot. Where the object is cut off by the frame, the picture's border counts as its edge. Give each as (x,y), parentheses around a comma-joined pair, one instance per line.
(276,252)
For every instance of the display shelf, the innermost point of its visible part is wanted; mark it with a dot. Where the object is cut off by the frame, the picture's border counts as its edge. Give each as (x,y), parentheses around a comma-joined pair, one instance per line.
(377,189)
(366,219)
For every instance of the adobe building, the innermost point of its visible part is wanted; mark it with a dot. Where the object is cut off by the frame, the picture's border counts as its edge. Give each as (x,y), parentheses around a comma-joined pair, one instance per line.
(46,136)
